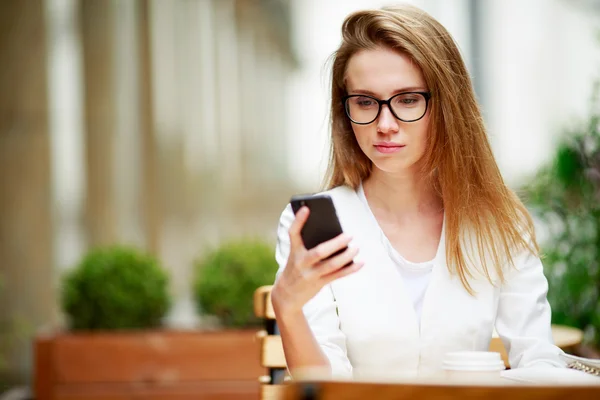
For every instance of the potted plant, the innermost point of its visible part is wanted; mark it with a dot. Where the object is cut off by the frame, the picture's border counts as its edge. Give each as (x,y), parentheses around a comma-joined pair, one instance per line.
(113,300)
(115,345)
(115,288)
(564,196)
(225,280)
(227,277)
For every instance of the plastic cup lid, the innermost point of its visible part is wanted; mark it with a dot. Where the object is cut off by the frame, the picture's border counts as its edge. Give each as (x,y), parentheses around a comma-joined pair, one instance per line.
(473,356)
(473,361)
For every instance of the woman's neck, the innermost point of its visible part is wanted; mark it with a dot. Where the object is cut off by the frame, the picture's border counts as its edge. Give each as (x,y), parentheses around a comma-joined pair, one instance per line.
(402,195)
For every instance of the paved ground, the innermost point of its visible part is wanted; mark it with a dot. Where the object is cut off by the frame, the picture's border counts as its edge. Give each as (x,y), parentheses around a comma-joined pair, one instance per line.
(21,393)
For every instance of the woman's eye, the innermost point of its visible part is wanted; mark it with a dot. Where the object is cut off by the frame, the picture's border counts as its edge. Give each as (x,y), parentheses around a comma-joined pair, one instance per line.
(364,102)
(407,101)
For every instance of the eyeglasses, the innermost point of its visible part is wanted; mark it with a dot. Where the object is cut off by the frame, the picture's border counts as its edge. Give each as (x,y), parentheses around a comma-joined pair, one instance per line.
(406,106)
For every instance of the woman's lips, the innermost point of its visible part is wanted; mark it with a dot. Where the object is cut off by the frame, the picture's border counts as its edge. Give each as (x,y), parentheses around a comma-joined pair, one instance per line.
(388,148)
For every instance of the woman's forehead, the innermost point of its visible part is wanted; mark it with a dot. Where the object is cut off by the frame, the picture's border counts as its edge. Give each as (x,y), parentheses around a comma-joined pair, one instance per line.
(382,71)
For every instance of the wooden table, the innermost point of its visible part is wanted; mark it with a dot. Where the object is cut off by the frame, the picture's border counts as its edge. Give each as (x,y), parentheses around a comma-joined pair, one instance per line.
(384,391)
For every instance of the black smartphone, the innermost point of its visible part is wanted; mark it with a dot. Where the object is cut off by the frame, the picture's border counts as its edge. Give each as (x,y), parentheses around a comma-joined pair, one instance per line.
(322,223)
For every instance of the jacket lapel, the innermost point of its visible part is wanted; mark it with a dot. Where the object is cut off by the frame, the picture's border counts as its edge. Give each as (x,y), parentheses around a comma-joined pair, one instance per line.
(434,293)
(384,280)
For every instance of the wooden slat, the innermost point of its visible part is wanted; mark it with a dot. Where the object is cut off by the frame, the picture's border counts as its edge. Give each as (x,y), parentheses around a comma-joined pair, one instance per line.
(269,313)
(262,302)
(259,300)
(272,392)
(272,355)
(263,308)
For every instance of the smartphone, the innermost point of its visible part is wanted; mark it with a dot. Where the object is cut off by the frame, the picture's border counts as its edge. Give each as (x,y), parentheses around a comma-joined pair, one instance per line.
(322,223)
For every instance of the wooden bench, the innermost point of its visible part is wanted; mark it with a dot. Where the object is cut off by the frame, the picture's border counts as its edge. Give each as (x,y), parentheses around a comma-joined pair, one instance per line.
(271,354)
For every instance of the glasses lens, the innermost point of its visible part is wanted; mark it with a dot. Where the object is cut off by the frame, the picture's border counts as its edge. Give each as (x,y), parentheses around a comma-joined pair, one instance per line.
(361,109)
(409,106)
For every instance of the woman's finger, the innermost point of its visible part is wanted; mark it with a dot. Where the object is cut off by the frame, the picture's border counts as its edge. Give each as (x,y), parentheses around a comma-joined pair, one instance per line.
(342,272)
(295,230)
(326,249)
(339,261)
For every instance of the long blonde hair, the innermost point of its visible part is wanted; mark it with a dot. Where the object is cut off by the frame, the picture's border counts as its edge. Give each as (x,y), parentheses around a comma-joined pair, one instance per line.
(458,157)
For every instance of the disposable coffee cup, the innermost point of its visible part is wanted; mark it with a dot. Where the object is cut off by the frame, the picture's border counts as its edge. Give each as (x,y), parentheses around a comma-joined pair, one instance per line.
(473,366)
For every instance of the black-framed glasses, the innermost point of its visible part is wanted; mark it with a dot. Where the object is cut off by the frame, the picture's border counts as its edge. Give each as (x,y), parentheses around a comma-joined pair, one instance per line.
(406,106)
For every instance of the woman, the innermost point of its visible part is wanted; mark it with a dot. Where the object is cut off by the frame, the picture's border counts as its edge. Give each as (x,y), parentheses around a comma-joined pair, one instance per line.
(447,251)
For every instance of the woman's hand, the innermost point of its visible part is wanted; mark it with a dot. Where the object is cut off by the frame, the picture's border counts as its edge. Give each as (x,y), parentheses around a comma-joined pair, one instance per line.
(307,271)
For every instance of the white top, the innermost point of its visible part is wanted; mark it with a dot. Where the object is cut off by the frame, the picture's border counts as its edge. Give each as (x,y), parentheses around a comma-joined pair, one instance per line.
(366,326)
(416,276)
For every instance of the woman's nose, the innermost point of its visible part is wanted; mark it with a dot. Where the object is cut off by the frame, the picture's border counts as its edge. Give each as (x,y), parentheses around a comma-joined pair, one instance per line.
(386,122)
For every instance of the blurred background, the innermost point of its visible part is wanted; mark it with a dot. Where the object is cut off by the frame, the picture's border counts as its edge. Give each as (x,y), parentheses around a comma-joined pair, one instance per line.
(176,127)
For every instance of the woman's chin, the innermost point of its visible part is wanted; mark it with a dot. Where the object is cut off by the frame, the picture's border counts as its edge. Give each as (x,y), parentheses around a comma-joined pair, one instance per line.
(395,167)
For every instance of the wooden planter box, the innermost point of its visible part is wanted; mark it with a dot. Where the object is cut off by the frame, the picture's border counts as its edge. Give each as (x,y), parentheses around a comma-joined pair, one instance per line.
(148,365)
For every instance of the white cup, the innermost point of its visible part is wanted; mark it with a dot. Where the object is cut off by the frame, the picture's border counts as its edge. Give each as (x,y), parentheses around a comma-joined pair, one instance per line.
(473,366)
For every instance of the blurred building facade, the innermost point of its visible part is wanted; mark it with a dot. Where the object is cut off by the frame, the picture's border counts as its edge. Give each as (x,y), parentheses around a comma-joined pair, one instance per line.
(154,123)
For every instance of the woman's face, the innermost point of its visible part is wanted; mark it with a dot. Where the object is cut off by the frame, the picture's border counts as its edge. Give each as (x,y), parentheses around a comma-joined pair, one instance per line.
(392,145)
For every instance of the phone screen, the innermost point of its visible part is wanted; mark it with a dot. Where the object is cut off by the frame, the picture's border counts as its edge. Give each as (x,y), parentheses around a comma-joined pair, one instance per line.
(322,223)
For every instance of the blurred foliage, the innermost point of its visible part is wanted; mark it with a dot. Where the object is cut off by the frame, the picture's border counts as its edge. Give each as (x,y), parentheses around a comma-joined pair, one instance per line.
(227,277)
(565,197)
(115,288)
(4,336)
(14,332)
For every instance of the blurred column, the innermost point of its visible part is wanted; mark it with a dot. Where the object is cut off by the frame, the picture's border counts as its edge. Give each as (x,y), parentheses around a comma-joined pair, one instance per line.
(207,72)
(276,89)
(529,95)
(267,113)
(181,92)
(98,40)
(455,15)
(253,98)
(196,83)
(265,59)
(227,98)
(151,204)
(66,132)
(25,179)
(476,47)
(122,192)
(127,174)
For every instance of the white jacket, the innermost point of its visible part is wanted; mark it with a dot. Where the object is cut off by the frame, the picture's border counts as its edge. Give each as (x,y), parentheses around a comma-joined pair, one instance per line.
(366,322)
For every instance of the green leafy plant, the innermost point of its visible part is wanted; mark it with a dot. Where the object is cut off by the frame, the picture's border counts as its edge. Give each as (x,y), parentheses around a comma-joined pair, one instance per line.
(15,332)
(3,337)
(565,198)
(115,288)
(227,277)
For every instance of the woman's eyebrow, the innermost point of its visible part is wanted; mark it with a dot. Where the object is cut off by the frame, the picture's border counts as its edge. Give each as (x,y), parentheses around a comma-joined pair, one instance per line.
(401,90)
